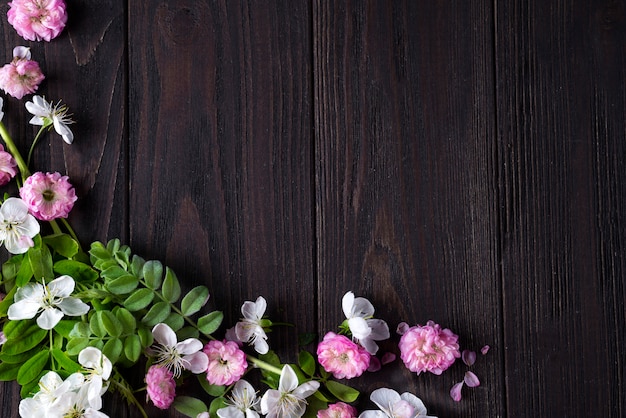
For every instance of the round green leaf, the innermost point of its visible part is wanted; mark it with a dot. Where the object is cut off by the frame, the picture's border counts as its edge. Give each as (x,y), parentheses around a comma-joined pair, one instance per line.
(153,274)
(129,324)
(194,300)
(111,324)
(156,314)
(122,285)
(132,348)
(171,286)
(189,406)
(139,299)
(342,392)
(113,349)
(209,323)
(80,272)
(75,345)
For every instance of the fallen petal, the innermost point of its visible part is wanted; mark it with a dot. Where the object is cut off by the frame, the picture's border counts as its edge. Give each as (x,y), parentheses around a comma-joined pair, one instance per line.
(485,349)
(388,358)
(471,379)
(468,357)
(455,392)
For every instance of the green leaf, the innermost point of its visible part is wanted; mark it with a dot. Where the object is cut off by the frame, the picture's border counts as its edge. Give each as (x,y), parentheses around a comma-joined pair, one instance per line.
(132,348)
(122,258)
(6,302)
(122,285)
(81,329)
(213,390)
(113,272)
(145,336)
(153,274)
(62,244)
(31,369)
(136,266)
(113,245)
(209,323)
(80,272)
(8,372)
(24,274)
(75,345)
(217,403)
(40,261)
(175,321)
(306,361)
(189,406)
(11,267)
(194,300)
(27,341)
(139,299)
(127,320)
(65,327)
(65,362)
(111,324)
(187,332)
(18,358)
(113,349)
(171,286)
(96,325)
(15,330)
(98,252)
(342,392)
(156,314)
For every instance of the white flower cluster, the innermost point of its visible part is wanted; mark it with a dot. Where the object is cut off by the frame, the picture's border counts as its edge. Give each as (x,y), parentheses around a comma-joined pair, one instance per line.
(80,395)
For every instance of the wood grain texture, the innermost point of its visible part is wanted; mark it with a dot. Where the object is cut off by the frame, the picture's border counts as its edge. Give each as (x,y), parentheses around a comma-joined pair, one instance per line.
(220,128)
(406,180)
(561,137)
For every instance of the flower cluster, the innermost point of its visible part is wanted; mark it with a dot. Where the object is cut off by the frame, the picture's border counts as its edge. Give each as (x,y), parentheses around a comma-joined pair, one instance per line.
(72,319)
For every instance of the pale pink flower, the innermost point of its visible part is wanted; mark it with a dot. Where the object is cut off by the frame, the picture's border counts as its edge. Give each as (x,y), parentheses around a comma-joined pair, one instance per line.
(394,405)
(35,20)
(429,348)
(161,387)
(340,356)
(48,196)
(176,356)
(7,167)
(22,75)
(338,410)
(227,363)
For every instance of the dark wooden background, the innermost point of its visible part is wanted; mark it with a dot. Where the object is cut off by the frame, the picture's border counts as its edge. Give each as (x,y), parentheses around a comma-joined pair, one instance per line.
(449,160)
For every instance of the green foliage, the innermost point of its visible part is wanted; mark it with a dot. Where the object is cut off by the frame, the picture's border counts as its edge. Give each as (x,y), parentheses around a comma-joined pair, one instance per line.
(189,406)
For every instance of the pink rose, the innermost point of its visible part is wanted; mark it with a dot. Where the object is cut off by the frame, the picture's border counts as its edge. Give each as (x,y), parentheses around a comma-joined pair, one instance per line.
(227,363)
(428,348)
(7,167)
(35,20)
(161,387)
(342,357)
(48,196)
(338,410)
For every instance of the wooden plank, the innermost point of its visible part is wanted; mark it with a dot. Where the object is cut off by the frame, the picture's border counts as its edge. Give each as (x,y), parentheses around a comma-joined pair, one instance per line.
(220,122)
(562,141)
(406,186)
(85,67)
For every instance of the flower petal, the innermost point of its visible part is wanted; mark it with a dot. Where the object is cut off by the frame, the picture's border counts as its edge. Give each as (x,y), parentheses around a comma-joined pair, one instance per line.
(359,328)
(62,286)
(306,389)
(455,392)
(228,412)
(63,130)
(189,346)
(25,309)
(471,379)
(197,362)
(347,302)
(468,357)
(383,397)
(380,330)
(363,308)
(416,403)
(373,414)
(73,307)
(288,379)
(164,335)
(49,318)
(269,400)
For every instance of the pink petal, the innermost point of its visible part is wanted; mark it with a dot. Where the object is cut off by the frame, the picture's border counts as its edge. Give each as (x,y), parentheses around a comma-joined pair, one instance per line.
(402,328)
(471,379)
(469,357)
(455,392)
(197,362)
(374,365)
(485,349)
(388,358)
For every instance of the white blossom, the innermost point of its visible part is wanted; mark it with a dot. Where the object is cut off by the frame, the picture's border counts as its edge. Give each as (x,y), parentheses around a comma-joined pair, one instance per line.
(176,356)
(394,405)
(364,327)
(289,401)
(46,114)
(249,329)
(17,226)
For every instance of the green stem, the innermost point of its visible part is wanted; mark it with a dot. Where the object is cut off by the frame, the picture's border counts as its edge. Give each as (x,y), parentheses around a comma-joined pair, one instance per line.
(32,146)
(55,226)
(71,232)
(120,383)
(22,166)
(263,365)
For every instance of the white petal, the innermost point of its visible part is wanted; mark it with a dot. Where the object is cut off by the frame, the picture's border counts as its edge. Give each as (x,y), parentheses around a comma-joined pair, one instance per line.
(36,120)
(49,318)
(30,407)
(198,362)
(38,107)
(14,209)
(63,130)
(90,357)
(373,414)
(307,389)
(384,397)
(254,310)
(251,413)
(261,346)
(359,328)
(30,291)
(363,308)
(380,330)
(94,399)
(347,302)
(164,335)
(415,402)
(230,412)
(288,379)
(189,346)
(21,52)
(269,400)
(369,345)
(73,307)
(25,309)
(1,105)
(63,286)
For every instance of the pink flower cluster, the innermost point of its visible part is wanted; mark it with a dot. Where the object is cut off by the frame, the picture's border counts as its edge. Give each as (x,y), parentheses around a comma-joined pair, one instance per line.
(22,75)
(428,348)
(48,196)
(35,20)
(7,167)
(340,356)
(161,386)
(338,410)
(227,363)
